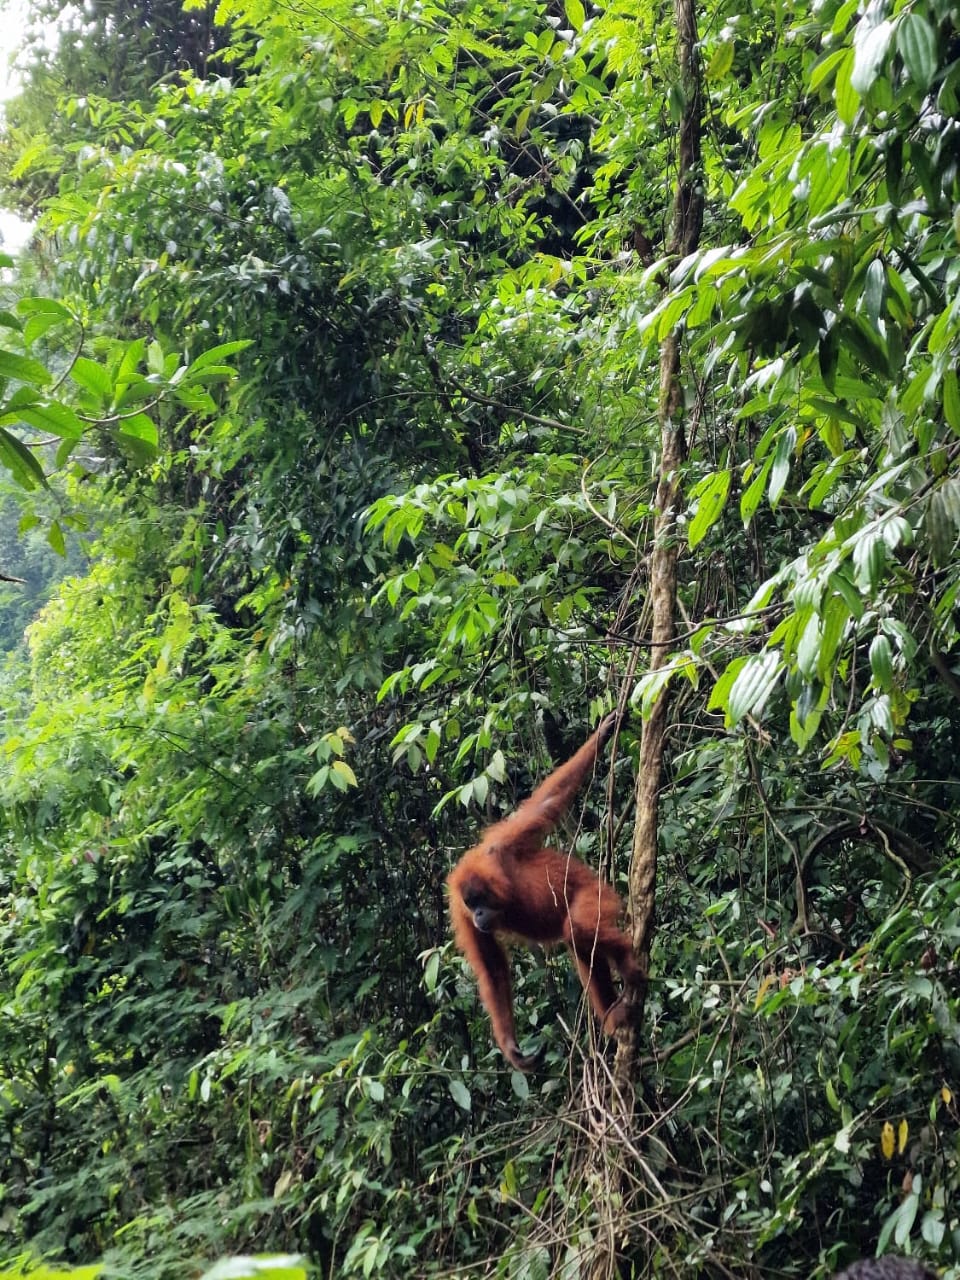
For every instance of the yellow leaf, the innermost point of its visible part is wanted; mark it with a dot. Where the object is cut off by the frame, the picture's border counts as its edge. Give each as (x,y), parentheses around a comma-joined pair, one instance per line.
(887,1143)
(946,1095)
(763,989)
(902,1132)
(343,769)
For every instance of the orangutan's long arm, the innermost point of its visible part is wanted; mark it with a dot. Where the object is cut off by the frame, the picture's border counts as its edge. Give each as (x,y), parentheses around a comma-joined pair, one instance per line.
(527,827)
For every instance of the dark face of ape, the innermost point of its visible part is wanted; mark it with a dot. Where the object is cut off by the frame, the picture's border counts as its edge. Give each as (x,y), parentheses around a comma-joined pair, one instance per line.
(486,910)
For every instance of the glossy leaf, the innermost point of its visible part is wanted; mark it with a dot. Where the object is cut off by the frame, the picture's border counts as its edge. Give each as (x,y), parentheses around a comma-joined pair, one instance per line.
(93,377)
(460,1094)
(23,369)
(917,45)
(52,418)
(753,685)
(881,662)
(870,50)
(711,498)
(20,461)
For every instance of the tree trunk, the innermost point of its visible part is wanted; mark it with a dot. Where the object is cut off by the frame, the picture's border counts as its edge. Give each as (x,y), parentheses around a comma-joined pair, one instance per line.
(685,237)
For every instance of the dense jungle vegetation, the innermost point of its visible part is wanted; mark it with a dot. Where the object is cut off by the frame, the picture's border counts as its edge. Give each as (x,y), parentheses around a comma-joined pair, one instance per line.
(389,391)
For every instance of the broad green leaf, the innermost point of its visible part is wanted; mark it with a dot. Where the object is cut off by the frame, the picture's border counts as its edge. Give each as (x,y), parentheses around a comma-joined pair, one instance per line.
(139,426)
(754,684)
(907,1217)
(870,49)
(460,1094)
(721,62)
(951,399)
(845,95)
(195,398)
(720,693)
(950,496)
(42,314)
(939,521)
(780,471)
(851,596)
(826,67)
(56,539)
(703,305)
(808,648)
(22,398)
(65,449)
(805,716)
(933,1228)
(135,439)
(340,769)
(712,497)
(431,971)
(53,418)
(896,530)
(214,355)
(132,359)
(317,781)
(44,306)
(917,45)
(855,333)
(20,461)
(874,289)
(824,477)
(156,364)
(212,373)
(37,326)
(750,498)
(93,377)
(576,14)
(869,559)
(23,369)
(650,686)
(520,1085)
(836,615)
(881,662)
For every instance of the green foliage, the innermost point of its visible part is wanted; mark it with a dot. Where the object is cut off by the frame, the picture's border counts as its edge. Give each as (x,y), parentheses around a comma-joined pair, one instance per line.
(120,399)
(49,1273)
(280,1267)
(333,371)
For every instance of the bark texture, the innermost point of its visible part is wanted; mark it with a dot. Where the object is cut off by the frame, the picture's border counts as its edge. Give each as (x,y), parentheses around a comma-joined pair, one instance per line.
(685,237)
(616,1164)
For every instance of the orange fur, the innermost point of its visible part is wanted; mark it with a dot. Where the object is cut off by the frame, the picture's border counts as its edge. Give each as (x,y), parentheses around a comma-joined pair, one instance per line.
(510,884)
